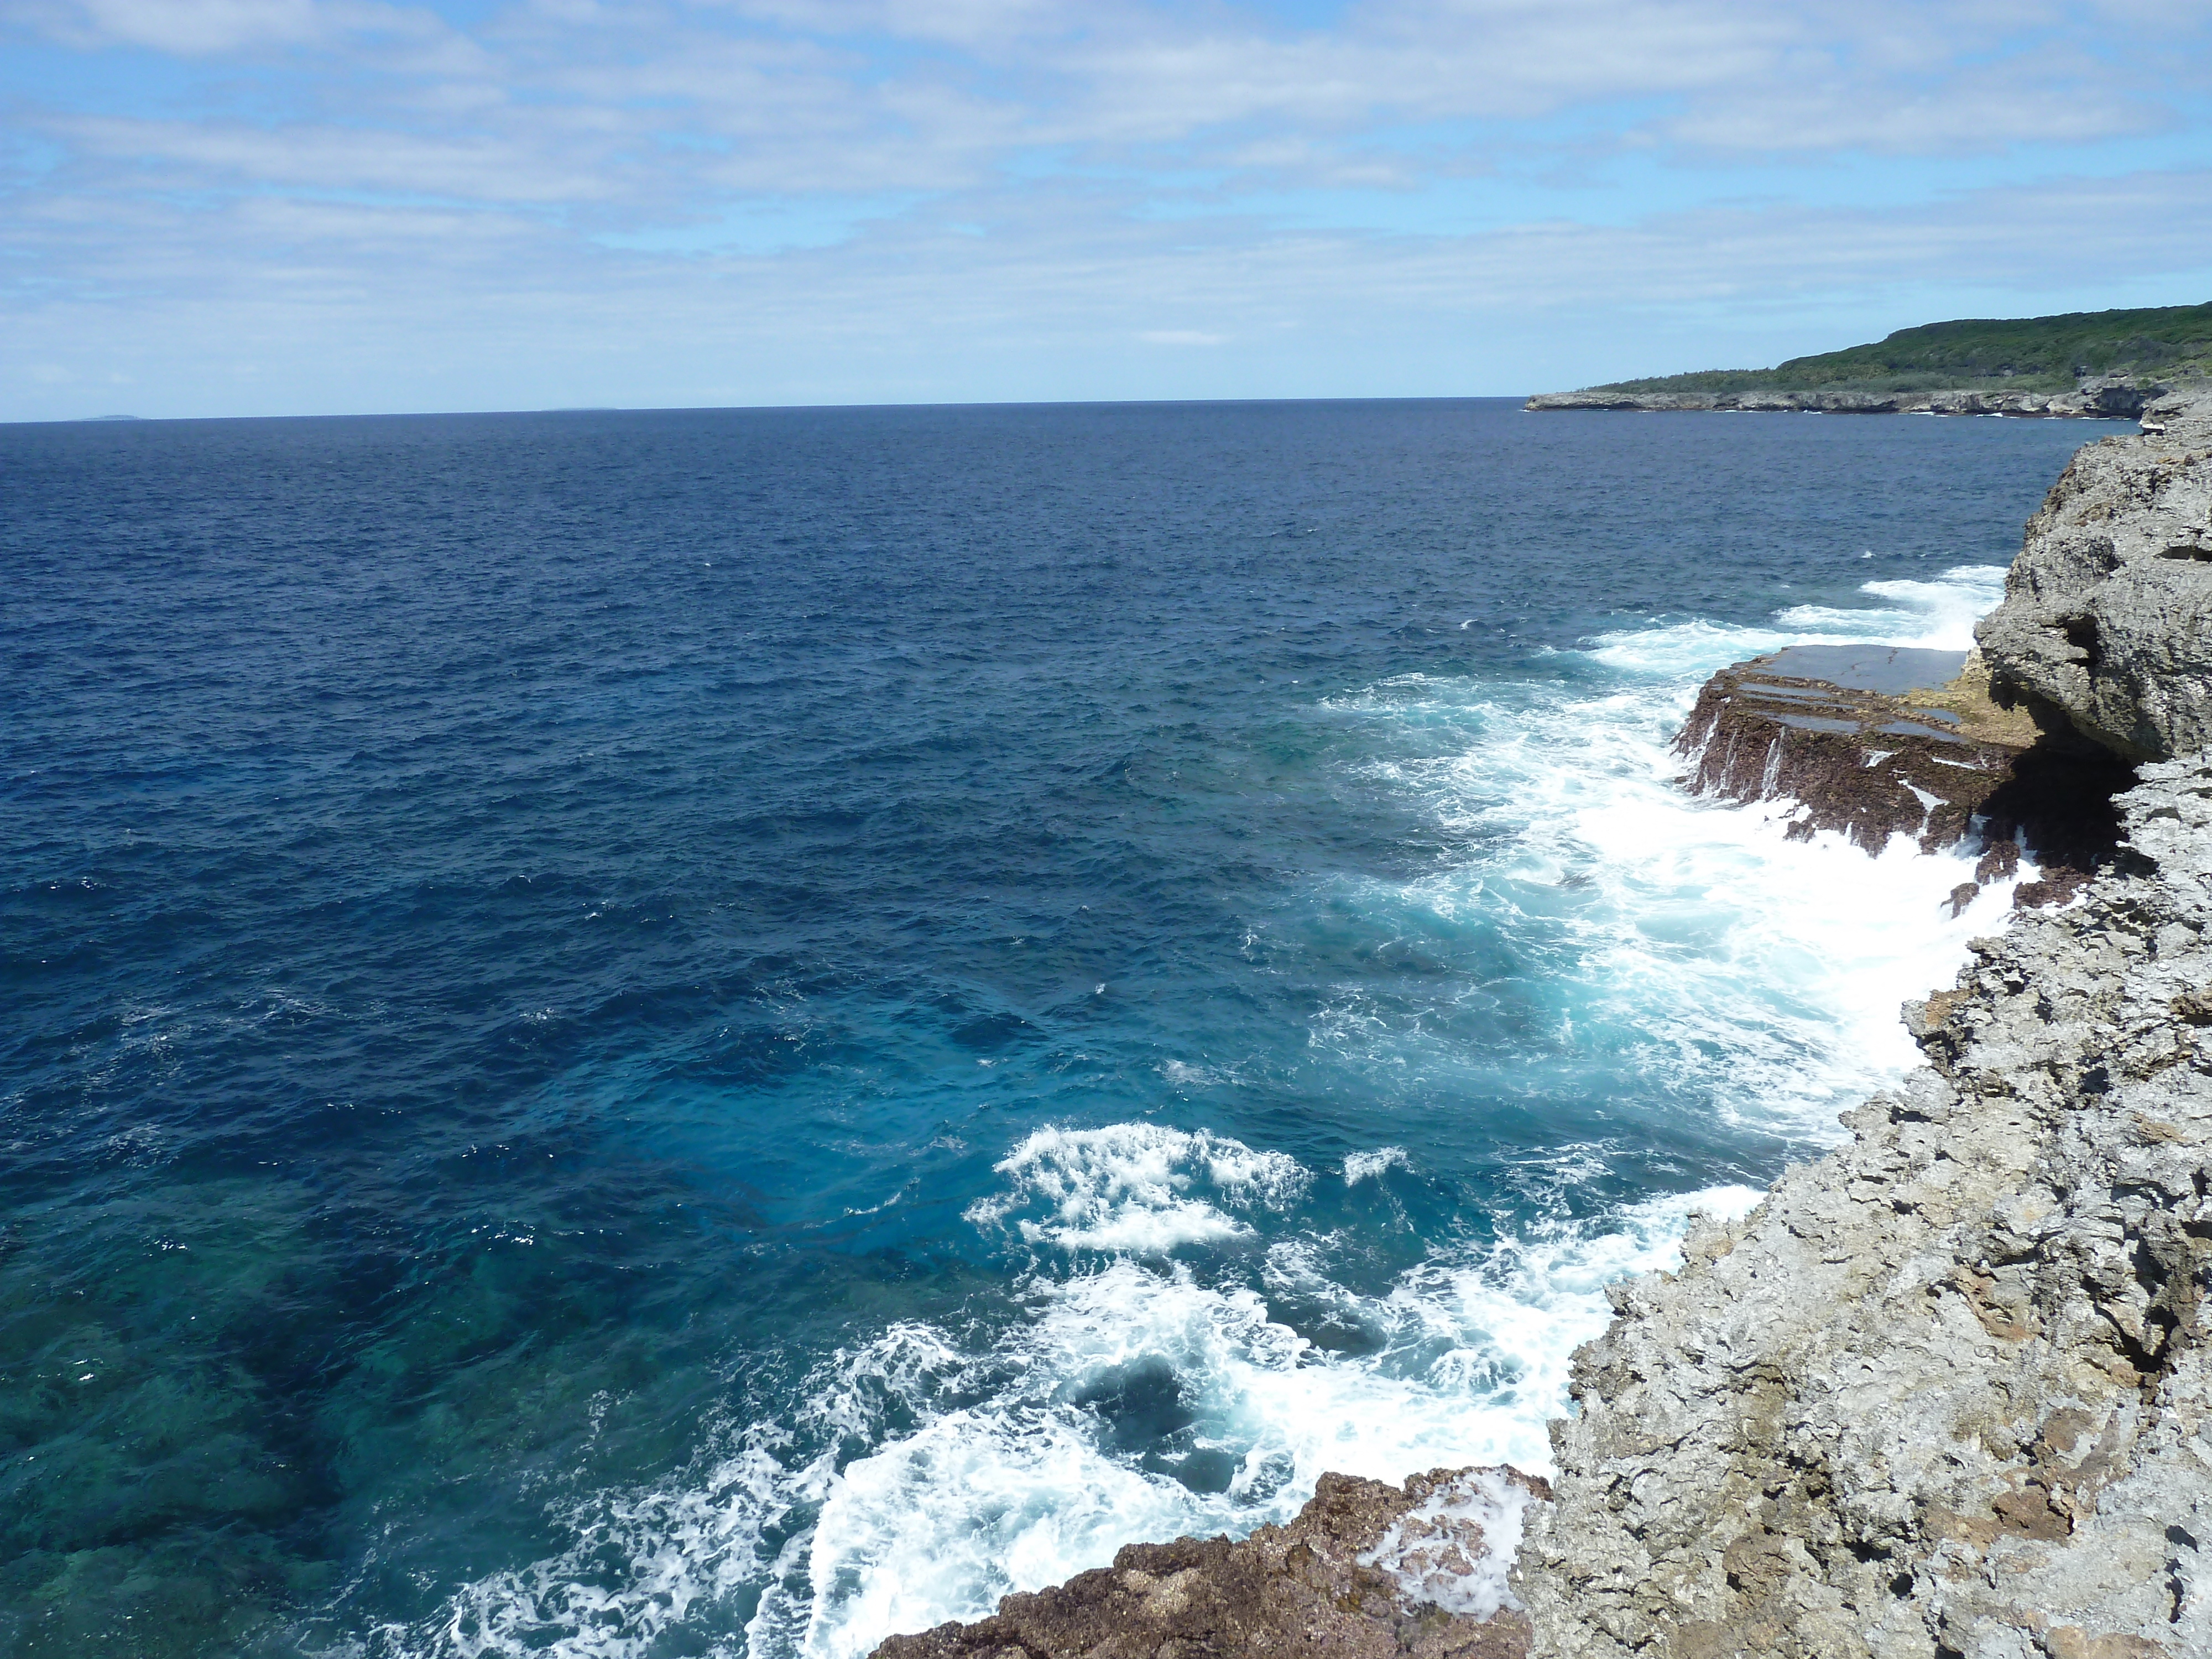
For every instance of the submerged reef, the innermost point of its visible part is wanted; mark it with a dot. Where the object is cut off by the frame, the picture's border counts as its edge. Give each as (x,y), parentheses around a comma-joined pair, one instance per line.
(1946,1393)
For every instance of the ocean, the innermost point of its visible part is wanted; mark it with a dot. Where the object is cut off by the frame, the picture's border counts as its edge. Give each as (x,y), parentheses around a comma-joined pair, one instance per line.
(730,1032)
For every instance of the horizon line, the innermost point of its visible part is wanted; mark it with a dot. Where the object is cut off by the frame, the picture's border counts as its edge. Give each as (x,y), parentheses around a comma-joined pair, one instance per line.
(736,409)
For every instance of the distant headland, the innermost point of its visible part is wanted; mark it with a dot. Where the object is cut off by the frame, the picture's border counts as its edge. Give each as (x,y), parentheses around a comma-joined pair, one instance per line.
(2084,364)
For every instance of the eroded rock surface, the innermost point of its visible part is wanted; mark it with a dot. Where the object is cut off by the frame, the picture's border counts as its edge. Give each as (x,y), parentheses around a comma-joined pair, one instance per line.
(1945,1392)
(1869,763)
(1367,1571)
(2106,624)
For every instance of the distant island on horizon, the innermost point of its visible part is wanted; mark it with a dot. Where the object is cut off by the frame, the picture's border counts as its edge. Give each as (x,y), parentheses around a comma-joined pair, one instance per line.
(2093,364)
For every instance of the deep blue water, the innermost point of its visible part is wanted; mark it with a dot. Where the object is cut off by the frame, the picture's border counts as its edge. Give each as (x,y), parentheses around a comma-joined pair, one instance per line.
(728,1031)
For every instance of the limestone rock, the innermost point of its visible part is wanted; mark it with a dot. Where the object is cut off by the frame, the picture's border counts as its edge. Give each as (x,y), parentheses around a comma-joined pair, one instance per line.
(1946,1392)
(2106,624)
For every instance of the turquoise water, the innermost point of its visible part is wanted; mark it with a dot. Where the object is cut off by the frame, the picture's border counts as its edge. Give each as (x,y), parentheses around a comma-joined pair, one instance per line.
(728,1032)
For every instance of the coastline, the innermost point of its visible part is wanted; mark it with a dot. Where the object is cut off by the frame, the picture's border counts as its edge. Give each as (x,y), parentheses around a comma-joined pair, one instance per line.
(1946,1391)
(1940,1392)
(2097,400)
(1936,1394)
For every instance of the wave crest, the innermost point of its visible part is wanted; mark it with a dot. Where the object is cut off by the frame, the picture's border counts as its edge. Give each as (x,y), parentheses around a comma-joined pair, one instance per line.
(1136,1188)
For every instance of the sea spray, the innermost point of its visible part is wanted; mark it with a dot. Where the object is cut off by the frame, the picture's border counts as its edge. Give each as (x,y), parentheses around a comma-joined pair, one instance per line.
(1009,1476)
(1690,944)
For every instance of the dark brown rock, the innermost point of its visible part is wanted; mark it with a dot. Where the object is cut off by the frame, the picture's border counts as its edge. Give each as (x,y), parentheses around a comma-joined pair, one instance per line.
(1358,1575)
(2000,861)
(1867,763)
(1937,763)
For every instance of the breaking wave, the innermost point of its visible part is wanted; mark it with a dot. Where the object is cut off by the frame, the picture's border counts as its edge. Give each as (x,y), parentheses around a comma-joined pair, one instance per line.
(1137,1399)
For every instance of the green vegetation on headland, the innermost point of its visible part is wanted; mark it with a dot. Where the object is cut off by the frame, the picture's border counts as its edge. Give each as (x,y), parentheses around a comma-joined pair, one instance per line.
(2169,343)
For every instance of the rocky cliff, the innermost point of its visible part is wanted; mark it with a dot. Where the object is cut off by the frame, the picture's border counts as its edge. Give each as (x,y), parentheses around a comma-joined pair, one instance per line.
(2106,625)
(1945,1391)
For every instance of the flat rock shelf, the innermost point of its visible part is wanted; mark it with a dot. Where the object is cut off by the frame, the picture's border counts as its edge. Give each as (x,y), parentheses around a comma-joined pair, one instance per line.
(1874,741)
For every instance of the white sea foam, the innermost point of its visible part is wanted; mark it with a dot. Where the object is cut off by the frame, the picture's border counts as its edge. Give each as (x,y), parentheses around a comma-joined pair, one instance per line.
(1938,615)
(1362,1166)
(1139,1188)
(639,1564)
(1011,1480)
(1021,1491)
(1454,1548)
(1691,941)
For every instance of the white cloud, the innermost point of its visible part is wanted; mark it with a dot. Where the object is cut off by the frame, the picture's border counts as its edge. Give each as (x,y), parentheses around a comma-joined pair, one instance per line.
(1010,185)
(472,167)
(196,28)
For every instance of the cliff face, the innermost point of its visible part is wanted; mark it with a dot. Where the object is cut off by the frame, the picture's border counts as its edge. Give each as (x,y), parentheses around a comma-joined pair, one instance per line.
(2107,624)
(1946,1392)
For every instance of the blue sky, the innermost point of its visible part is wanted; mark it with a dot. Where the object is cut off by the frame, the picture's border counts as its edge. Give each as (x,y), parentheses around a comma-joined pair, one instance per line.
(219,207)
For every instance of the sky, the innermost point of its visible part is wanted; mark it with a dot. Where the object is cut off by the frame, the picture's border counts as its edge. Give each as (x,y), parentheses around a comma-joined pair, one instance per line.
(261,207)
